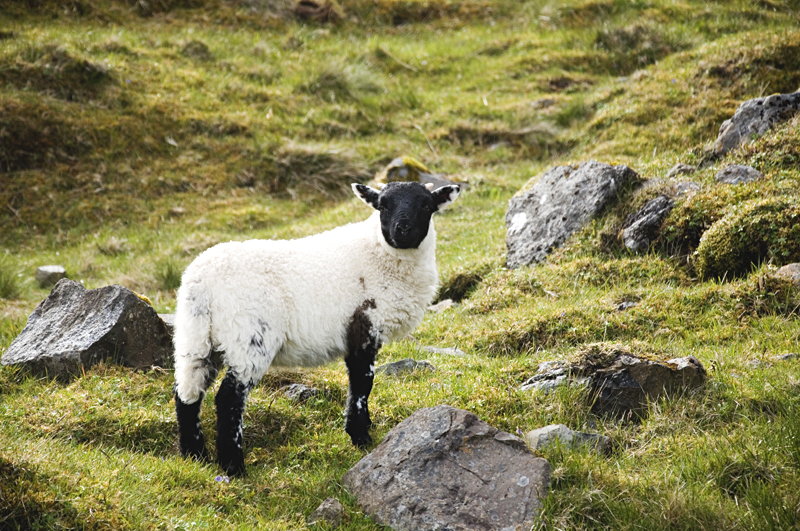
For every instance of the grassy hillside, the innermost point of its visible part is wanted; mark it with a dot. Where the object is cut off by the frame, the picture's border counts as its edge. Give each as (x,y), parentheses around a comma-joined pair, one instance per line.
(134,135)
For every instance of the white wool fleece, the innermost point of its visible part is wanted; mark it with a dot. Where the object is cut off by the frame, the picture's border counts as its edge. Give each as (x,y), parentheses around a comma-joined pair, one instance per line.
(289,303)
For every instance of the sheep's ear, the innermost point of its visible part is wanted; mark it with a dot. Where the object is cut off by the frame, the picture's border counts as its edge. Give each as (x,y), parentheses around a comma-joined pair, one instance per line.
(445,195)
(366,194)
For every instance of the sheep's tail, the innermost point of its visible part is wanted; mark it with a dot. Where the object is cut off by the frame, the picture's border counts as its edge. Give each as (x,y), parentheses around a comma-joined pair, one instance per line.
(195,370)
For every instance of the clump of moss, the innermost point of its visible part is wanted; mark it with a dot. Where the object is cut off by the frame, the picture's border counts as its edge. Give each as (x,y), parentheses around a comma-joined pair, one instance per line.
(750,233)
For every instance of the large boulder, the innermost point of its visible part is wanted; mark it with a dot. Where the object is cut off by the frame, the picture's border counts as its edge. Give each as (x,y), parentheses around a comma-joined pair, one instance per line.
(562,201)
(75,328)
(443,468)
(754,118)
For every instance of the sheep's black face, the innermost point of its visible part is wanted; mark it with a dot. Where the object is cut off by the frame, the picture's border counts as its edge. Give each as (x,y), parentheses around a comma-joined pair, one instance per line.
(406,210)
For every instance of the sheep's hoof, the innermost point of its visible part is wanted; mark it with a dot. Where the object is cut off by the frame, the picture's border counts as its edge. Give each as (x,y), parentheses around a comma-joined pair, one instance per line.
(234,469)
(361,441)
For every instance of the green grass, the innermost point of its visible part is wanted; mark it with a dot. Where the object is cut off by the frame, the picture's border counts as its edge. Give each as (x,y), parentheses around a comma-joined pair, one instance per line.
(135,135)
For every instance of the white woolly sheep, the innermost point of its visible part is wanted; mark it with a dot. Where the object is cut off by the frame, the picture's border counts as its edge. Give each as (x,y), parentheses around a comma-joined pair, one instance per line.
(303,302)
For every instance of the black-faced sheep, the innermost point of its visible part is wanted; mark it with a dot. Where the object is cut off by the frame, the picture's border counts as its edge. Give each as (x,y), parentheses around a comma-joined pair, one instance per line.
(303,302)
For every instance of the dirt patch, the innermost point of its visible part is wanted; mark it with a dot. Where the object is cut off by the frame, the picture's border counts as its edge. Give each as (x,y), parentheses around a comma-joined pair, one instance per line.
(461,284)
(324,12)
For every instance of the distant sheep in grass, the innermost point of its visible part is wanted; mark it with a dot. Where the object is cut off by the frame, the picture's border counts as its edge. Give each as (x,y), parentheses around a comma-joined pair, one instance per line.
(303,303)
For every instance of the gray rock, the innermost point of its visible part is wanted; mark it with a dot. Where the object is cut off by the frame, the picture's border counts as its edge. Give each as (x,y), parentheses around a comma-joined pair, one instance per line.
(755,364)
(790,272)
(449,351)
(49,275)
(682,188)
(405,366)
(786,357)
(754,118)
(627,305)
(563,200)
(75,328)
(738,174)
(623,386)
(446,304)
(544,437)
(330,511)
(445,469)
(642,228)
(621,383)
(681,169)
(301,392)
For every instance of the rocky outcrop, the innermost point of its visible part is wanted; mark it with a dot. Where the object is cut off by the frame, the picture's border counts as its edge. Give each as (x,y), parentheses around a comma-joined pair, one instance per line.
(562,201)
(754,118)
(642,228)
(75,328)
(444,468)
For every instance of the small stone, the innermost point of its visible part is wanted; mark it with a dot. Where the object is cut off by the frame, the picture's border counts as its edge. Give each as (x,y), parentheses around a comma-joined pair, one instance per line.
(330,511)
(446,304)
(681,169)
(754,364)
(47,276)
(549,435)
(449,351)
(405,366)
(626,305)
(790,272)
(738,174)
(642,227)
(682,188)
(301,392)
(786,357)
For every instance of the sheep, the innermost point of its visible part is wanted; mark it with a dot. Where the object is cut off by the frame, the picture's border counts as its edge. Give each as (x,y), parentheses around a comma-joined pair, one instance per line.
(305,302)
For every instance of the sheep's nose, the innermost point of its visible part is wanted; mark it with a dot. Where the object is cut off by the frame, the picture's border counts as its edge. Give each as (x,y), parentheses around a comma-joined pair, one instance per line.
(404,226)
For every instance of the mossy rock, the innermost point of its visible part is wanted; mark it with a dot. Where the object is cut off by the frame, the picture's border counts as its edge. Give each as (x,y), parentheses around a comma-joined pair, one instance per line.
(402,169)
(750,233)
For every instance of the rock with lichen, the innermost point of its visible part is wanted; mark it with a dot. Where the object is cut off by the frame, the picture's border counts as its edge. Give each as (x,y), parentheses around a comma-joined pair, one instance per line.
(409,169)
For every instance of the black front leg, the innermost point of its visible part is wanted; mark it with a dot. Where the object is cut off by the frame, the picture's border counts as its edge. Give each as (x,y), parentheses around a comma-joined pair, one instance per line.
(230,400)
(363,344)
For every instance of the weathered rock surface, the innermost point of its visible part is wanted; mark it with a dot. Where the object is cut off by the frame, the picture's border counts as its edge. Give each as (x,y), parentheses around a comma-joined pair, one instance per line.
(563,200)
(169,321)
(330,511)
(301,392)
(549,435)
(621,383)
(49,275)
(681,169)
(642,228)
(737,174)
(754,118)
(405,366)
(791,272)
(447,351)
(445,469)
(75,328)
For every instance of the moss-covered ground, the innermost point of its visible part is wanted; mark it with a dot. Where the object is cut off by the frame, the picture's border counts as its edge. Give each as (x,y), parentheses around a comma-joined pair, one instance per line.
(134,135)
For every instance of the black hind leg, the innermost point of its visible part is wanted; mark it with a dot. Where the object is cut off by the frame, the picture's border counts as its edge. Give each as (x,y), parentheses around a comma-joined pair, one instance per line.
(230,400)
(189,430)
